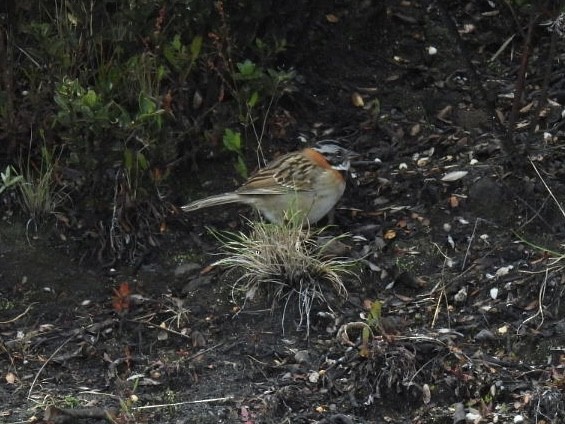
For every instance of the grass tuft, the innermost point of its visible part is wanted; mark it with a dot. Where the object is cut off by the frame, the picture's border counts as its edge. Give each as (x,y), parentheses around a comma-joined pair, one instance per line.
(39,194)
(286,261)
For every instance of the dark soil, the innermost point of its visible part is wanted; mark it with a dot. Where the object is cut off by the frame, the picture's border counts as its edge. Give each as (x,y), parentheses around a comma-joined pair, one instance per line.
(469,271)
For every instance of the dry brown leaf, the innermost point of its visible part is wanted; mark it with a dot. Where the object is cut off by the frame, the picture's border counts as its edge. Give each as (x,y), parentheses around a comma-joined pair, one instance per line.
(198,339)
(532,305)
(207,269)
(332,18)
(390,235)
(442,114)
(404,298)
(11,378)
(500,116)
(167,102)
(121,300)
(527,108)
(426,394)
(454,176)
(197,100)
(357,100)
(415,130)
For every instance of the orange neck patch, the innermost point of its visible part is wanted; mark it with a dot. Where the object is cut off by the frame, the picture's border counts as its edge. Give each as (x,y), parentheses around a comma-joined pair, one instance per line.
(317,158)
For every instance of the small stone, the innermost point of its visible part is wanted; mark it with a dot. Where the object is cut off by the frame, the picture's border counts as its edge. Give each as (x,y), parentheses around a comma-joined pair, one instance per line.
(485,335)
(302,356)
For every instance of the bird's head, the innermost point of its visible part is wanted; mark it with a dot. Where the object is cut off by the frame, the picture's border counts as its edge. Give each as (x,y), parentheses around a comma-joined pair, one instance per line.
(337,156)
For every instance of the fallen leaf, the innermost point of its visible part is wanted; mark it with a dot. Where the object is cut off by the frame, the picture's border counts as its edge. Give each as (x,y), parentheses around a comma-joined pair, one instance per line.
(197,100)
(121,298)
(167,101)
(207,269)
(11,378)
(503,329)
(534,304)
(442,114)
(454,175)
(332,18)
(198,339)
(390,235)
(404,298)
(426,394)
(357,100)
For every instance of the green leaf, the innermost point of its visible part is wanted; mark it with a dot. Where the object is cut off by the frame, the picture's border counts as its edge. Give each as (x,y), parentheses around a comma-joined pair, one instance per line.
(90,99)
(8,179)
(196,47)
(253,99)
(260,43)
(128,159)
(232,140)
(247,68)
(142,161)
(364,348)
(63,104)
(161,72)
(241,167)
(374,317)
(176,43)
(146,105)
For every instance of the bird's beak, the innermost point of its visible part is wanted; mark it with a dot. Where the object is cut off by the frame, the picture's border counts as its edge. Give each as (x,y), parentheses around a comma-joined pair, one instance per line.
(352,155)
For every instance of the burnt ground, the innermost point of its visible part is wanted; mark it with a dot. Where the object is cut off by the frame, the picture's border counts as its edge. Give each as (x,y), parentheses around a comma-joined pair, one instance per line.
(468,267)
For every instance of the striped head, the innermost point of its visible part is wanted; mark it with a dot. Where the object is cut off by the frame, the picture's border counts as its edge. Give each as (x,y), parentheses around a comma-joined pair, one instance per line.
(337,156)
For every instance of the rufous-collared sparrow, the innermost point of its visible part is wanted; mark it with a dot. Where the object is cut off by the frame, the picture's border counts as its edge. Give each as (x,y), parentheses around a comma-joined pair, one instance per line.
(306,183)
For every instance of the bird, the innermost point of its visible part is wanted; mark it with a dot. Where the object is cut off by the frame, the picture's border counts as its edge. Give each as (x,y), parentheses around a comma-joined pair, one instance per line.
(305,184)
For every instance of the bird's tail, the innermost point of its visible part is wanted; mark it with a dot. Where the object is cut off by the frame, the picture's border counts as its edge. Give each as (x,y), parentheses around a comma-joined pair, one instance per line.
(220,199)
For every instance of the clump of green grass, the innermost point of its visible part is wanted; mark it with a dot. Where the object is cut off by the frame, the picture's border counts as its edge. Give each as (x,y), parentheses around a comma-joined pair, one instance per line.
(286,261)
(39,192)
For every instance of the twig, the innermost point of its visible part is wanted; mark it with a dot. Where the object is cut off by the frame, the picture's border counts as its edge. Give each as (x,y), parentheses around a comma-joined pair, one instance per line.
(548,189)
(189,402)
(508,141)
(541,295)
(502,48)
(45,363)
(472,238)
(442,293)
(19,316)
(168,330)
(542,100)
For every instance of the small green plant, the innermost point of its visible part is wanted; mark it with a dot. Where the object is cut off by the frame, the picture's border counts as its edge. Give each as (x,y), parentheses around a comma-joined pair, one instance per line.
(373,324)
(258,90)
(10,178)
(369,327)
(179,312)
(181,57)
(39,193)
(286,261)
(71,402)
(232,142)
(135,164)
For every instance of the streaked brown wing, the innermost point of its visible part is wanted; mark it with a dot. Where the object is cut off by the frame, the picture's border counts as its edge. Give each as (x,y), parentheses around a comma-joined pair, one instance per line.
(291,172)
